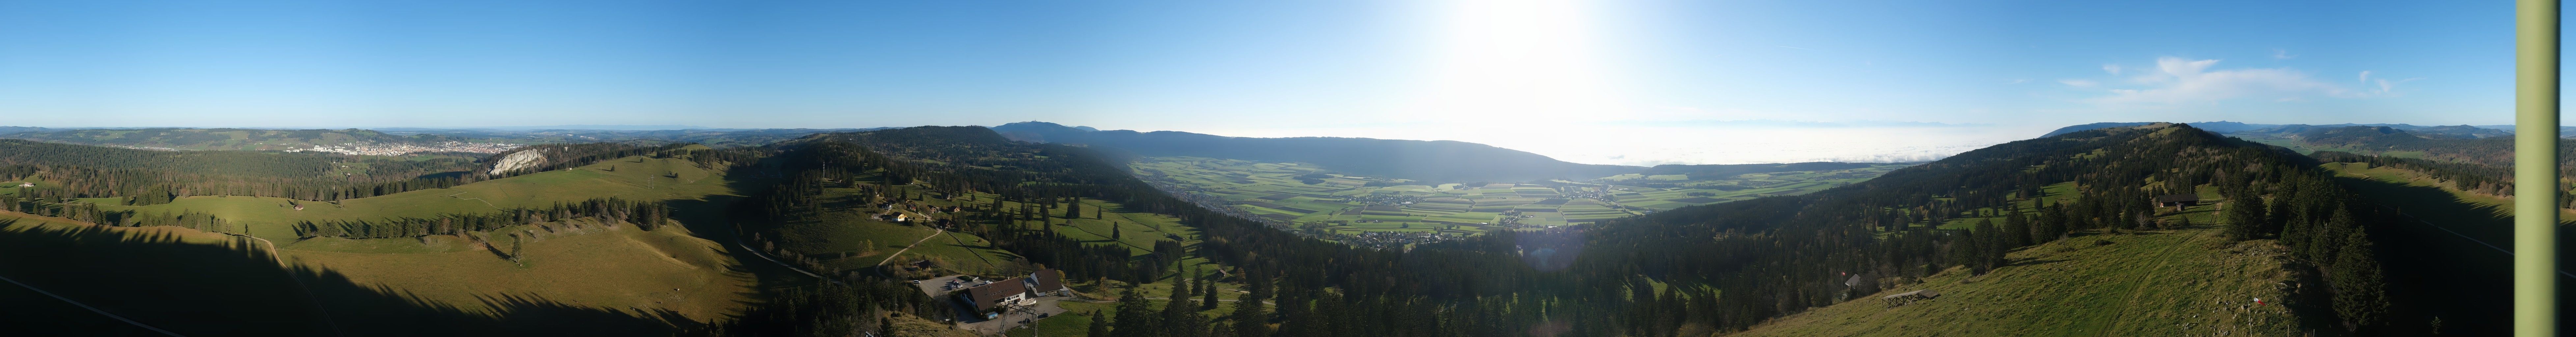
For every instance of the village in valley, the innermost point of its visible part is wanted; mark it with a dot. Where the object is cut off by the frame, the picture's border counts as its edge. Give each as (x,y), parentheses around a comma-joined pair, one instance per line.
(397,149)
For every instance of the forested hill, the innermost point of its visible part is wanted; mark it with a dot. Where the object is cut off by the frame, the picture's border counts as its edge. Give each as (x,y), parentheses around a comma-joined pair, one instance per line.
(2218,126)
(1730,266)
(1450,161)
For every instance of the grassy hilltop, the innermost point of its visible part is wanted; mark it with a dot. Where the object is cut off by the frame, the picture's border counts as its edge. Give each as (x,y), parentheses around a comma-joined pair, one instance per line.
(2178,282)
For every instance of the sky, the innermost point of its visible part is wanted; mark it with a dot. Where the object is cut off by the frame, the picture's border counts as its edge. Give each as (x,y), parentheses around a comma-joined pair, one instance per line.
(1611,82)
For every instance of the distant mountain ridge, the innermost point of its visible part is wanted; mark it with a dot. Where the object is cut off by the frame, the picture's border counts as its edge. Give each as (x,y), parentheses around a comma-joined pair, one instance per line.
(2226,127)
(254,139)
(1439,160)
(2218,127)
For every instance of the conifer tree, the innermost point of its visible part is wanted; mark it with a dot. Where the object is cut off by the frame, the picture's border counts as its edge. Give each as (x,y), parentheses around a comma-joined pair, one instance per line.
(1178,319)
(2244,215)
(1099,325)
(2360,296)
(1136,318)
(1990,247)
(1208,286)
(2016,230)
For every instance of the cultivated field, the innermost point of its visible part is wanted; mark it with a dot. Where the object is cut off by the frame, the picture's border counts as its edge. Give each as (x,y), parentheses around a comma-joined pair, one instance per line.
(1311,197)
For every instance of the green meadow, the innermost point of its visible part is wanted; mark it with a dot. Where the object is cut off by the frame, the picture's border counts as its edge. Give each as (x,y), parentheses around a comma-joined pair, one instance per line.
(2185,282)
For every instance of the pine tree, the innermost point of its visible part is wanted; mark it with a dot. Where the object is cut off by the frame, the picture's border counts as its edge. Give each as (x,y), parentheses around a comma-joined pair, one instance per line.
(1178,319)
(1965,253)
(2016,230)
(1208,286)
(1073,210)
(2360,297)
(2244,215)
(1136,318)
(1099,325)
(1249,318)
(1991,247)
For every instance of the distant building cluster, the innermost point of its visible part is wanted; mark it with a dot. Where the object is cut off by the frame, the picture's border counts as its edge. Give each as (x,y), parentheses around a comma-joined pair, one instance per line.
(154,148)
(1397,240)
(382,149)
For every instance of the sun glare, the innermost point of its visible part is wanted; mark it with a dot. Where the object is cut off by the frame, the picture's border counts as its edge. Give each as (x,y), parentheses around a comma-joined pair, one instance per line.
(1510,62)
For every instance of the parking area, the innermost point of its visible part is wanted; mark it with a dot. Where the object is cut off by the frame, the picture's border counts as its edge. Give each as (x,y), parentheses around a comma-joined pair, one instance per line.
(1046,307)
(941,286)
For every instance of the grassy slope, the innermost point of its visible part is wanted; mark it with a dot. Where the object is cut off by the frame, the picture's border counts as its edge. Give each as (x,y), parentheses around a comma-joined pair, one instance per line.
(607,267)
(2156,283)
(2452,233)
(635,178)
(617,267)
(198,283)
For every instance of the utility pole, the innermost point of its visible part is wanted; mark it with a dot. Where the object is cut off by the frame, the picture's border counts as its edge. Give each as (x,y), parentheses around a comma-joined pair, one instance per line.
(2535,218)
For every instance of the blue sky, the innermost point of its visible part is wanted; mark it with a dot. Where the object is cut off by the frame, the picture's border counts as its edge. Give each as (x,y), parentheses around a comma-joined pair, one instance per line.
(1593,81)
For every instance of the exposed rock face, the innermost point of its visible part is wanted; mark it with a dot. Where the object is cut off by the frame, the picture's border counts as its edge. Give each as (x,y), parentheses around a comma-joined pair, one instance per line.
(518,160)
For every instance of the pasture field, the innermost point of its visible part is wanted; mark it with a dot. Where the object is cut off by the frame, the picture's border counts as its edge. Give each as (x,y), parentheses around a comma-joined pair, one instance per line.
(578,263)
(634,178)
(1315,199)
(201,283)
(2179,282)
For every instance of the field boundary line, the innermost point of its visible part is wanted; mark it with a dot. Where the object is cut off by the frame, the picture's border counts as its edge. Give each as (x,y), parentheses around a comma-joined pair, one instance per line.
(485,202)
(91,309)
(899,252)
(756,252)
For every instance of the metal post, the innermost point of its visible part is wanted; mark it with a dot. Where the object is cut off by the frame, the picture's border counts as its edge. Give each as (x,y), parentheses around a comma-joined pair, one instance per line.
(2535,233)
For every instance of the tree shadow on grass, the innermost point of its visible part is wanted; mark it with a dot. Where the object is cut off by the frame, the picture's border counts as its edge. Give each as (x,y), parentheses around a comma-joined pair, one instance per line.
(237,288)
(2437,265)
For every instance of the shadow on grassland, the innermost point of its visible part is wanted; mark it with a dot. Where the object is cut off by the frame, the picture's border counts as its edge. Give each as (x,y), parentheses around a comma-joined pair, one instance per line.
(236,289)
(2435,268)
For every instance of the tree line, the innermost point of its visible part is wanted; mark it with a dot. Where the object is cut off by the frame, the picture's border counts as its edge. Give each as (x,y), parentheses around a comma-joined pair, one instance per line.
(647,215)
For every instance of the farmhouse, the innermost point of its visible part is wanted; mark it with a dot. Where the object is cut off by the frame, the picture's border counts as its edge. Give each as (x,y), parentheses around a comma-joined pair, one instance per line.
(991,298)
(26,184)
(2177,201)
(1047,282)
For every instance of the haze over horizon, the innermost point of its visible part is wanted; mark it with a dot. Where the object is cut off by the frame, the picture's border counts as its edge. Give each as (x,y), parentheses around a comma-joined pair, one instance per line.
(1622,82)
